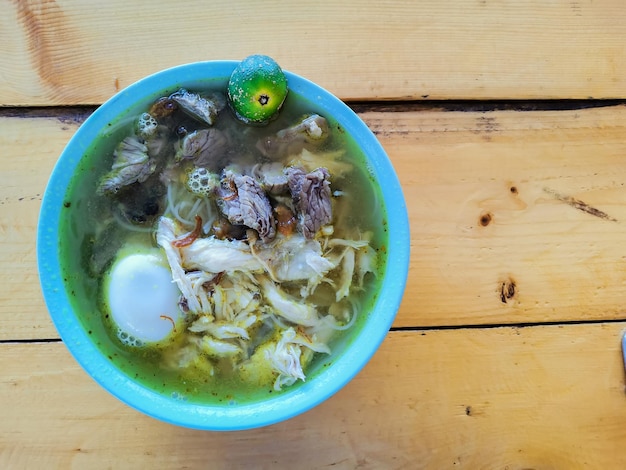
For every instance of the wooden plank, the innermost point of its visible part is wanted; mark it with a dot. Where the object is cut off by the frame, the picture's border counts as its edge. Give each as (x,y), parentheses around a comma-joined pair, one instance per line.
(30,147)
(539,257)
(538,397)
(68,52)
(515,216)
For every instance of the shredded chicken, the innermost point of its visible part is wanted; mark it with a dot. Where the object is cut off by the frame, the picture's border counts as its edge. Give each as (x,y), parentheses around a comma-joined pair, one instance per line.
(214,256)
(289,308)
(165,236)
(347,271)
(230,286)
(285,356)
(294,258)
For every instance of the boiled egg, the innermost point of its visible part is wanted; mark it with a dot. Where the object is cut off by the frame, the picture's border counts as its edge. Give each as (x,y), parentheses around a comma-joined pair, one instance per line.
(142,298)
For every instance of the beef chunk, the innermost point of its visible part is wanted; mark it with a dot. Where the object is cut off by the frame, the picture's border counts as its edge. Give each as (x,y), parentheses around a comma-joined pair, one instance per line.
(311,198)
(309,133)
(206,147)
(243,202)
(272,177)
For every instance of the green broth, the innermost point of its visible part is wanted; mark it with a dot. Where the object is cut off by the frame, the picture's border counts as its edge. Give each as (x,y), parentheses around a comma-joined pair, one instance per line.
(83,209)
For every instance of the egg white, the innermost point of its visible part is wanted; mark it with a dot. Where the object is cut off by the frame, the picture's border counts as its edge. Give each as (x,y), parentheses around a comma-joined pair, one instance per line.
(141,297)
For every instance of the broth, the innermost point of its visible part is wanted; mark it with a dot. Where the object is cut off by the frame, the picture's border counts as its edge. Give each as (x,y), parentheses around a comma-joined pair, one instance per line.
(93,234)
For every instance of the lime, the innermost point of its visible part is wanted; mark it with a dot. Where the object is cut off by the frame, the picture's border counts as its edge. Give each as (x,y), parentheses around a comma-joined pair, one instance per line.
(257,88)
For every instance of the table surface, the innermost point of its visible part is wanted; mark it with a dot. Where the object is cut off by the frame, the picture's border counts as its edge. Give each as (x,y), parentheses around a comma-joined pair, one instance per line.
(506,123)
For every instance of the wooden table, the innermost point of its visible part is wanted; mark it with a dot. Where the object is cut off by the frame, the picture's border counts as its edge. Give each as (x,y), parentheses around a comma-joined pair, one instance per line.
(506,122)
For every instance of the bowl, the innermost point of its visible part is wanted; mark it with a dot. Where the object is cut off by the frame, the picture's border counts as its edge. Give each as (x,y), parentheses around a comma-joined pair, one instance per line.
(68,301)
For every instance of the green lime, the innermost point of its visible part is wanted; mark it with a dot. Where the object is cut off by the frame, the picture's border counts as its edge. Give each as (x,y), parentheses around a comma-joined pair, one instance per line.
(257,88)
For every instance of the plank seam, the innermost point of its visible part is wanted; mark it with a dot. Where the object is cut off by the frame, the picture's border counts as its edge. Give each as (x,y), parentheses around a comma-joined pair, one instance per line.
(488,326)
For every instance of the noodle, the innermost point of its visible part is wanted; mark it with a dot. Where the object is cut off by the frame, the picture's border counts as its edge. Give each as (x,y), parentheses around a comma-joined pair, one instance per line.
(184,211)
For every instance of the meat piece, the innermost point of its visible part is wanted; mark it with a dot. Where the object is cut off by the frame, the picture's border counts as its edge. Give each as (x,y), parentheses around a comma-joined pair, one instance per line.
(311,198)
(272,177)
(243,202)
(205,146)
(131,164)
(311,132)
(198,107)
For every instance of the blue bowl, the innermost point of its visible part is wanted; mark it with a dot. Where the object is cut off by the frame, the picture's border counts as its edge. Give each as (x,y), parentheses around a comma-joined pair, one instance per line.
(348,357)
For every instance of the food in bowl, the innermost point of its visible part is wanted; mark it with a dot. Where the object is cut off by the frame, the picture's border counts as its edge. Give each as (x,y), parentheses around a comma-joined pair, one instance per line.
(215,263)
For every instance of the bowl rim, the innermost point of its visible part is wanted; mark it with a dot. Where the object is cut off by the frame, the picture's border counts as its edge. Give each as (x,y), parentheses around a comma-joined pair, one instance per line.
(206,416)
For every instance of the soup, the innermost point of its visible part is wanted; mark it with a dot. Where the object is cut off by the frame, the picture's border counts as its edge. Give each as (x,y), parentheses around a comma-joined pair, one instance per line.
(263,245)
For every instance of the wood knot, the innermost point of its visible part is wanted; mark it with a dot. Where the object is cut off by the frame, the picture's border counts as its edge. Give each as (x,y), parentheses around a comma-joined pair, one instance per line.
(485,218)
(508,290)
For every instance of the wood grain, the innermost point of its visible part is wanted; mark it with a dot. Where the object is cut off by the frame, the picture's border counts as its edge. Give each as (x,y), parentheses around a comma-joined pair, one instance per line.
(63,52)
(515,216)
(499,206)
(538,397)
(30,147)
